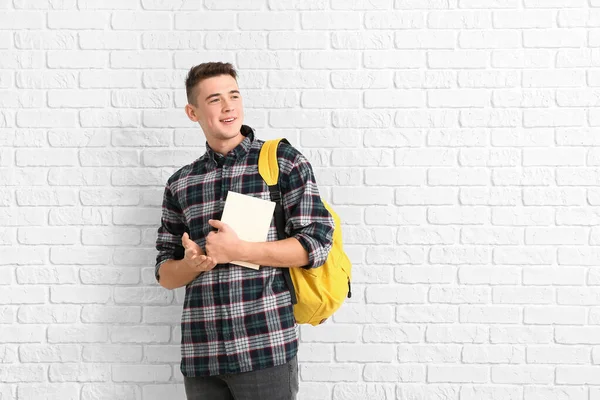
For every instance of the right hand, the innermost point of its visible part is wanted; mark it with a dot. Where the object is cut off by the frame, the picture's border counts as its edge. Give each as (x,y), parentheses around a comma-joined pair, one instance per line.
(194,256)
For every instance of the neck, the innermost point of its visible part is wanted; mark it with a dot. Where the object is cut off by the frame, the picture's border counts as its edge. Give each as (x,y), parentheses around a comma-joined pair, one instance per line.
(225,146)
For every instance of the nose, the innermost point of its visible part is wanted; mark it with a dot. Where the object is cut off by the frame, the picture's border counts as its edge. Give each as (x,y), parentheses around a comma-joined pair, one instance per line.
(227,106)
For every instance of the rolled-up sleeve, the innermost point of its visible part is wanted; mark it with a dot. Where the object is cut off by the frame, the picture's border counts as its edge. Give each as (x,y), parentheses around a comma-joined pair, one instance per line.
(307,219)
(172,227)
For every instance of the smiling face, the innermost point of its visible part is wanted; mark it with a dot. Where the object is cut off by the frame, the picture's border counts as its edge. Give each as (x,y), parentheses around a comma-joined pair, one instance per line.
(219,110)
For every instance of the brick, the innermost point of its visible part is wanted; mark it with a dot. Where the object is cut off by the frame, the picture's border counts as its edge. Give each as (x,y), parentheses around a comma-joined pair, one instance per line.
(236,40)
(488,4)
(527,58)
(233,5)
(112,236)
(20,295)
(187,59)
(46,197)
(267,21)
(554,3)
(456,334)
(126,20)
(336,20)
(524,98)
(112,353)
(454,19)
(364,314)
(46,79)
(523,19)
(330,372)
(172,40)
(553,118)
(457,374)
(79,372)
(363,353)
(45,391)
(109,118)
(362,119)
(21,59)
(140,334)
(554,38)
(21,99)
(142,296)
(401,58)
(489,39)
(43,5)
(574,58)
(425,39)
(110,79)
(49,315)
(298,119)
(491,392)
(79,255)
(47,40)
(541,392)
(297,79)
(105,40)
(78,99)
(282,40)
(135,59)
(221,21)
(22,20)
(78,20)
(38,235)
(360,41)
(361,79)
(108,5)
(329,60)
(294,5)
(73,59)
(171,4)
(105,391)
(23,373)
(109,276)
(140,177)
(46,119)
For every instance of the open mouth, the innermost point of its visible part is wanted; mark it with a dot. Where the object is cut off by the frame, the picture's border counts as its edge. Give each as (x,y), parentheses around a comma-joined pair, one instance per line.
(228,121)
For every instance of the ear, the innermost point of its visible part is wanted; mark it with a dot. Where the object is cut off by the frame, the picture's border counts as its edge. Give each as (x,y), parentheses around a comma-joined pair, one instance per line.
(191,113)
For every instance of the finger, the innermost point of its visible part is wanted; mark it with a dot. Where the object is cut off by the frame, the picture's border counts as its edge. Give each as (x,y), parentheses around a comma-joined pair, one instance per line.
(185,240)
(217,224)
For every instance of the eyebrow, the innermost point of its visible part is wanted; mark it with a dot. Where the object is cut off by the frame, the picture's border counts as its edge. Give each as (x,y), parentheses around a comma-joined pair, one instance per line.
(218,94)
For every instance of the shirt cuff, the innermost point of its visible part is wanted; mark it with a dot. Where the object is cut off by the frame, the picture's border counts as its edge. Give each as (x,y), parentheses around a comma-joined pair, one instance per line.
(157,267)
(317,255)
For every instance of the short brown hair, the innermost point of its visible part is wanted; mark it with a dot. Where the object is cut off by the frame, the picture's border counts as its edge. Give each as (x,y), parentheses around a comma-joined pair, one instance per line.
(205,71)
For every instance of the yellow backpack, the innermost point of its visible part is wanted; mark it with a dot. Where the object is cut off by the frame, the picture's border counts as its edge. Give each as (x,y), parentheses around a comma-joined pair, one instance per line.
(317,292)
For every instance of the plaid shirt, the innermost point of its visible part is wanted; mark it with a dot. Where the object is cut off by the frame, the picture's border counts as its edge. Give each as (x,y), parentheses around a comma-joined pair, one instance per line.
(236,319)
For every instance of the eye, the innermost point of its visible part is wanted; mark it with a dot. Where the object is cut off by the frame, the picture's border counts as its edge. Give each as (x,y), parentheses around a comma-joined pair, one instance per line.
(235,96)
(214,100)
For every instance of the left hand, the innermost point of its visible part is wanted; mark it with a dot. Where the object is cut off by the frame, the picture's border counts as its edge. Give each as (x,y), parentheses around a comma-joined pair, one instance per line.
(223,246)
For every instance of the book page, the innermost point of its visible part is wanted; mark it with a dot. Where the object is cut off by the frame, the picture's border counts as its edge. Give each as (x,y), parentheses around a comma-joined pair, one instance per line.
(249,217)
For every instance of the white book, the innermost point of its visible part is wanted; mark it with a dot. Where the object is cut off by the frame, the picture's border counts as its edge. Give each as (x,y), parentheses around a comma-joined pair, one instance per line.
(249,217)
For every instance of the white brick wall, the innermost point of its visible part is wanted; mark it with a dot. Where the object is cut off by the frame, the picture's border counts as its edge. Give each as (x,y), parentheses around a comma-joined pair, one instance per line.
(456,138)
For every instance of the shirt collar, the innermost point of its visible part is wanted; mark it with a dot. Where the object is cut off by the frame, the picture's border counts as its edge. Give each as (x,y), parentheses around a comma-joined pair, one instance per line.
(238,152)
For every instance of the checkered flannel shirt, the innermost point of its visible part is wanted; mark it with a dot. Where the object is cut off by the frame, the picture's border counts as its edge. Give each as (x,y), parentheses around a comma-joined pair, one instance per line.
(236,319)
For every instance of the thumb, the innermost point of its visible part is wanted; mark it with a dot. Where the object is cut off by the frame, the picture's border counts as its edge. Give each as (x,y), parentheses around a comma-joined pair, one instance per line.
(185,240)
(217,224)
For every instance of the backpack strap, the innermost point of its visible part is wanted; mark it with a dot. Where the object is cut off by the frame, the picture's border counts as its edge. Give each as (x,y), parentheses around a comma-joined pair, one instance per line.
(268,168)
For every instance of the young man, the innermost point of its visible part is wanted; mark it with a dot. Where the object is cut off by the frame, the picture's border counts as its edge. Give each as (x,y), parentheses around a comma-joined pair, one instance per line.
(239,337)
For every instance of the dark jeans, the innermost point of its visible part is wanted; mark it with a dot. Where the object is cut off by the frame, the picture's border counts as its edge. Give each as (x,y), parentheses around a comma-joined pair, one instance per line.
(276,383)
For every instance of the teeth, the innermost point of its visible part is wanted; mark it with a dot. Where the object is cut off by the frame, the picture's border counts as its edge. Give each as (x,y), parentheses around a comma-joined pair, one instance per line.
(228,120)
